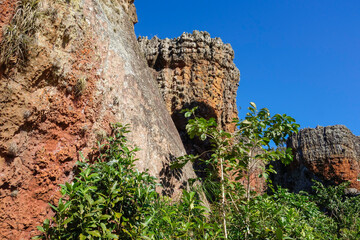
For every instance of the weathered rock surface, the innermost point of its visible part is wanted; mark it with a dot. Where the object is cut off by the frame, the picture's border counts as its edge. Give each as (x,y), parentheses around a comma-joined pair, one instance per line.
(329,154)
(84,71)
(195,69)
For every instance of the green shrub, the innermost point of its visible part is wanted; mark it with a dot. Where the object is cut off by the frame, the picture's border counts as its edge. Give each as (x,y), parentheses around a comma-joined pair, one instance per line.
(282,215)
(187,219)
(109,199)
(239,155)
(345,210)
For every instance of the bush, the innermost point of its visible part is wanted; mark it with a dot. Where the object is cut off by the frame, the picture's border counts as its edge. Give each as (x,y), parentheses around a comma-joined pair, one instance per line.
(109,199)
(282,215)
(345,210)
(187,219)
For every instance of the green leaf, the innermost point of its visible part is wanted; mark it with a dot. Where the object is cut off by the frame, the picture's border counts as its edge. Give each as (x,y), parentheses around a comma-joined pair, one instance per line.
(253,104)
(53,207)
(203,137)
(246,122)
(105,217)
(112,236)
(69,219)
(40,228)
(94,233)
(82,237)
(279,234)
(46,222)
(103,227)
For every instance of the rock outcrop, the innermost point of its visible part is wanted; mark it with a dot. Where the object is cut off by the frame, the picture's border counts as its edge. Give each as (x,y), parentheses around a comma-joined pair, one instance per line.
(329,154)
(195,69)
(84,70)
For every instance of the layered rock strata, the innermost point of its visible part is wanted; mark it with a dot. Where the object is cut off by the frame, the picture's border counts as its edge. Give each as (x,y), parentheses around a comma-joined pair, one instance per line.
(84,70)
(329,154)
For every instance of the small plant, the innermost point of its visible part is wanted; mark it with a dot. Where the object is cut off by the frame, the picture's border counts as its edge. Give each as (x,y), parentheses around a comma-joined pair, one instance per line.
(27,114)
(13,149)
(282,215)
(100,135)
(80,86)
(18,35)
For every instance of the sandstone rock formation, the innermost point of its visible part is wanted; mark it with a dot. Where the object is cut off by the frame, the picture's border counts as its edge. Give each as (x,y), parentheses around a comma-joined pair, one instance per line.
(195,69)
(84,71)
(329,154)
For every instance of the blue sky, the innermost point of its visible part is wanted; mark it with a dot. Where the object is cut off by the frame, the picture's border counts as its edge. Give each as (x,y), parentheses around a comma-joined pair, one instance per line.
(299,57)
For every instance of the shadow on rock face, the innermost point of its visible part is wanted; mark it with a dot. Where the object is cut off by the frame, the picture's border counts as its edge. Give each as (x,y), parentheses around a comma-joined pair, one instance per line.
(169,176)
(195,146)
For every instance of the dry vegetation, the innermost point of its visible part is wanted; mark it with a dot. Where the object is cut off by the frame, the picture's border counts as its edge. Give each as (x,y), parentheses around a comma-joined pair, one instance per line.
(18,34)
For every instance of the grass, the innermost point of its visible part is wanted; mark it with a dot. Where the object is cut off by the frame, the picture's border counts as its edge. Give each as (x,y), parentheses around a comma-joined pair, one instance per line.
(18,35)
(80,87)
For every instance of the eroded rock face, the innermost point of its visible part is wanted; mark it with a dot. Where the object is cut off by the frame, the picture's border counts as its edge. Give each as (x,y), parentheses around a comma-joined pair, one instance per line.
(329,154)
(195,69)
(84,71)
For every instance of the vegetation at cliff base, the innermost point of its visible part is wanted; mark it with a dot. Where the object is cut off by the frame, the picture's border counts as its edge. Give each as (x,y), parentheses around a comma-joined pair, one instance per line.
(110,199)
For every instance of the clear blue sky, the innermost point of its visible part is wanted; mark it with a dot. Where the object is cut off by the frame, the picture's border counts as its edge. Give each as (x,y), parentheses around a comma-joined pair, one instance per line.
(299,57)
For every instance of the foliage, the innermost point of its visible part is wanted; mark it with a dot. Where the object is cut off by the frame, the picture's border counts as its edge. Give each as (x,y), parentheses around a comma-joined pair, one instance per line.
(80,86)
(17,36)
(345,210)
(282,215)
(240,155)
(187,219)
(109,199)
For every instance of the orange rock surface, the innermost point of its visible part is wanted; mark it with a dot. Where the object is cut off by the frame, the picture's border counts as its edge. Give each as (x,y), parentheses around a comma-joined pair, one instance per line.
(84,71)
(195,70)
(328,154)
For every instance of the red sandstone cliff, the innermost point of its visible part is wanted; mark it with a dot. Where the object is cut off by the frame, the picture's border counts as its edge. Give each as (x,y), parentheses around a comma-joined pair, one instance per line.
(83,70)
